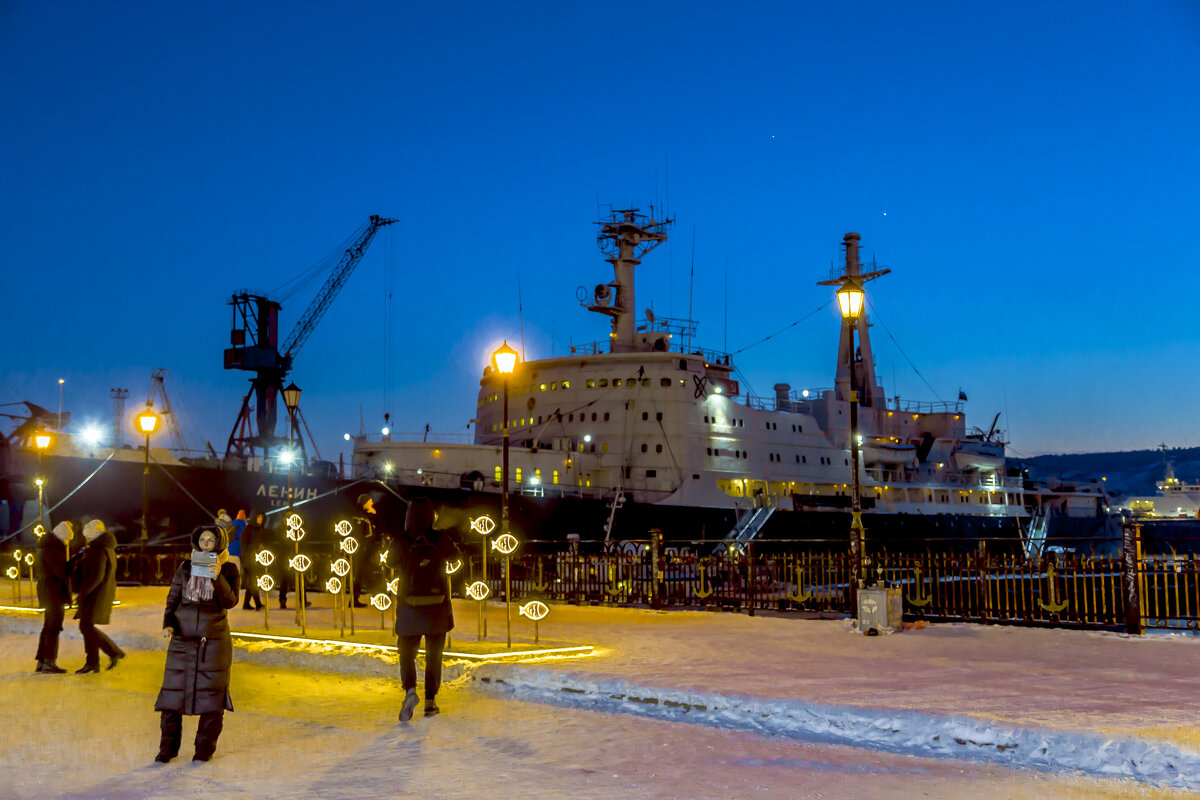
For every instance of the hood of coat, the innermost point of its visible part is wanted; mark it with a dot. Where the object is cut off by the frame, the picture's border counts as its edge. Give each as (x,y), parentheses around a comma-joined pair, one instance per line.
(420,516)
(64,532)
(93,529)
(222,538)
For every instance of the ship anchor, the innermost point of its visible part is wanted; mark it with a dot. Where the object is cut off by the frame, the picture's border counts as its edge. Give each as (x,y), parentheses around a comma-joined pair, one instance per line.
(921,600)
(799,595)
(541,585)
(615,589)
(1052,606)
(702,592)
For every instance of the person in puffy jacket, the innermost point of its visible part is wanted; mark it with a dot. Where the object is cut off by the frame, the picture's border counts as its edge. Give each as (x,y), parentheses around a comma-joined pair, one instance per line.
(54,593)
(422,603)
(199,657)
(95,577)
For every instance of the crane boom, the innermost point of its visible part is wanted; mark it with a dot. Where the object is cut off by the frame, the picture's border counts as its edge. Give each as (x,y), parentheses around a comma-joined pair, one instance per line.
(320,304)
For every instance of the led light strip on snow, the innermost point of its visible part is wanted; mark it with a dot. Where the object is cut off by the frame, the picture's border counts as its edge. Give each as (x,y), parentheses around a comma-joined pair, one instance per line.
(578,650)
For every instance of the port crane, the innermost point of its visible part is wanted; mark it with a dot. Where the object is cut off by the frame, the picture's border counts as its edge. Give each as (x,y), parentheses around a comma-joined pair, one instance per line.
(254,347)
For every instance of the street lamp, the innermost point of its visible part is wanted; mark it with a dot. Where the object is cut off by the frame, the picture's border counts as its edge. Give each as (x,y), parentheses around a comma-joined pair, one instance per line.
(291,399)
(505,359)
(850,300)
(147,423)
(42,441)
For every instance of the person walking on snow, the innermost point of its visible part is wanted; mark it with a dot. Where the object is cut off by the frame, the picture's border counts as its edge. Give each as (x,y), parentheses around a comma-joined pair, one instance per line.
(422,603)
(95,576)
(253,539)
(54,593)
(200,655)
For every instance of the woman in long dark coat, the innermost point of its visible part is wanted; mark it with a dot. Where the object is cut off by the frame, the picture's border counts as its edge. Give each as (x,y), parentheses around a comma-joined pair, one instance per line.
(422,603)
(196,677)
(54,593)
(95,575)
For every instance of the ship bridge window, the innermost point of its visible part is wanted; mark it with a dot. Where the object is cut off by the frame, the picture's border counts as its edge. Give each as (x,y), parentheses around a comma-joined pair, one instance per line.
(645,447)
(645,381)
(566,384)
(664,381)
(570,417)
(616,381)
(541,387)
(682,365)
(658,416)
(645,415)
(603,382)
(706,419)
(553,386)
(590,383)
(658,448)
(498,476)
(709,451)
(556,477)
(606,416)
(651,473)
(518,474)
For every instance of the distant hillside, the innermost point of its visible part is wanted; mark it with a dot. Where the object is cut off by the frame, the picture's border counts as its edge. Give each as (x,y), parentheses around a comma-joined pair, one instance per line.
(1132,472)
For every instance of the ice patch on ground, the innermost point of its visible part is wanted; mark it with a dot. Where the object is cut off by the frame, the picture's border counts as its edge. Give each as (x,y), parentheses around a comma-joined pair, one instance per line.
(903,732)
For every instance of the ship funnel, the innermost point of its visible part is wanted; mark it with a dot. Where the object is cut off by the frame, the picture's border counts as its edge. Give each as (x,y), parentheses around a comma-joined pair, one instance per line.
(850,240)
(782,390)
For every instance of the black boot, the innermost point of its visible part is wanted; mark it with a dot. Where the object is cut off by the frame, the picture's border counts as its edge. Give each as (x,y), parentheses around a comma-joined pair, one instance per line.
(50,667)
(115,659)
(410,703)
(86,668)
(431,707)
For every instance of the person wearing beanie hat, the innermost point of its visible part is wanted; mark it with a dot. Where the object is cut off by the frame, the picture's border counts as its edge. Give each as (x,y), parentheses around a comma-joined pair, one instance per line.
(54,593)
(200,655)
(95,576)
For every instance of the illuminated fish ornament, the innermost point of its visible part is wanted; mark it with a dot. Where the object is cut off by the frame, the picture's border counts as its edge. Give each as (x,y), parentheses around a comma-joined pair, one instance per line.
(393,586)
(39,530)
(505,544)
(535,610)
(266,583)
(265,557)
(349,544)
(478,590)
(344,528)
(333,585)
(483,525)
(12,572)
(453,566)
(381,601)
(341,567)
(300,562)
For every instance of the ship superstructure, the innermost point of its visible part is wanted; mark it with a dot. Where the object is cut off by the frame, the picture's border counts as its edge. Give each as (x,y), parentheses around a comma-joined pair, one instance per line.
(650,420)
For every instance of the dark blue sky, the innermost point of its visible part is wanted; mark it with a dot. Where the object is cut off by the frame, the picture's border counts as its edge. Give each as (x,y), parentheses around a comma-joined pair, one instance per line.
(1028,170)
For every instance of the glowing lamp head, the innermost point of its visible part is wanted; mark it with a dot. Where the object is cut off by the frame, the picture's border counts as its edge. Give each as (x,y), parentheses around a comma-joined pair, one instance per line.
(587,437)
(346,436)
(850,299)
(147,420)
(291,396)
(42,440)
(505,359)
(286,457)
(40,481)
(92,435)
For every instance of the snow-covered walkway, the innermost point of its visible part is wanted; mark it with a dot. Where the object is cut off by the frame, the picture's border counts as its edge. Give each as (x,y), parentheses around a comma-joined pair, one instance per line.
(681,704)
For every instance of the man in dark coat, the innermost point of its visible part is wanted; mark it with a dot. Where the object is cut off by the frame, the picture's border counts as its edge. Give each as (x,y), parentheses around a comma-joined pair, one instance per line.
(422,602)
(199,658)
(253,540)
(95,576)
(54,593)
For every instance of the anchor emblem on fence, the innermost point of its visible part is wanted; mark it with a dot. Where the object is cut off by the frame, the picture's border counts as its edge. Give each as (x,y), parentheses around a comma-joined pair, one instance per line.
(799,596)
(541,585)
(158,559)
(1052,606)
(922,599)
(702,592)
(615,587)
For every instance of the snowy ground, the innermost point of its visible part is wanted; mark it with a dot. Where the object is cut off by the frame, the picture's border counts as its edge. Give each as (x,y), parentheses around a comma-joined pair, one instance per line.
(674,705)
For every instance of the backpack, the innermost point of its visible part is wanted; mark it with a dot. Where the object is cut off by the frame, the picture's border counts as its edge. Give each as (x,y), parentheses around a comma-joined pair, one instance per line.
(427,574)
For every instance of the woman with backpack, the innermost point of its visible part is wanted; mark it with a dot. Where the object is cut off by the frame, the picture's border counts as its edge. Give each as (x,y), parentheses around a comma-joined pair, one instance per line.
(422,603)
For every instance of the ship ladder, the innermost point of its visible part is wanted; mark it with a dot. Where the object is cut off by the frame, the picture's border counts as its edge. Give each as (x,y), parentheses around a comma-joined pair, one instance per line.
(748,527)
(1034,542)
(617,501)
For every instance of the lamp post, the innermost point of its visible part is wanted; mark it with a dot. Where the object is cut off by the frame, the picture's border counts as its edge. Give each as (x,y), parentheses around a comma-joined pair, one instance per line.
(147,423)
(42,441)
(505,359)
(291,399)
(850,300)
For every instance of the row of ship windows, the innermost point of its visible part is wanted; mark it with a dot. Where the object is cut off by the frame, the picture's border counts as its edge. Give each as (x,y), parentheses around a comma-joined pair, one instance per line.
(582,479)
(521,422)
(590,383)
(741,423)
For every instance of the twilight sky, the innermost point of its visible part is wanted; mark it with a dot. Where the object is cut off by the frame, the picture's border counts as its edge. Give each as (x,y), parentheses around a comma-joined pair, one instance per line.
(1029,171)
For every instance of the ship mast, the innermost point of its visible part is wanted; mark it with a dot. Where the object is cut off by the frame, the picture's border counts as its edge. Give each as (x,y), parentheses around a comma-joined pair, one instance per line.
(625,238)
(864,371)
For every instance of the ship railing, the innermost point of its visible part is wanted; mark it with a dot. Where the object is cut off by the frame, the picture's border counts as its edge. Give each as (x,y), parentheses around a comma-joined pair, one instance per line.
(926,406)
(710,356)
(425,438)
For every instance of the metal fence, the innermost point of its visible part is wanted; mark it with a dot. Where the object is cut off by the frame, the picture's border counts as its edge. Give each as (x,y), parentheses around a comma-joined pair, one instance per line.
(1131,591)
